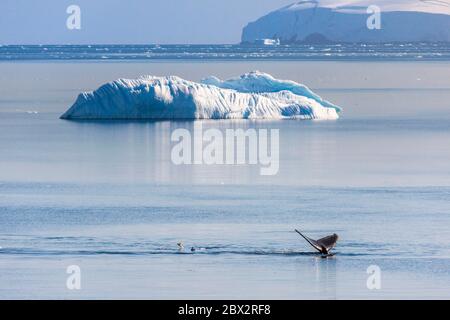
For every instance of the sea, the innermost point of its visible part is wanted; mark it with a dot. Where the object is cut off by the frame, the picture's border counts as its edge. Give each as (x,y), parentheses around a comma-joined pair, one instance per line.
(99,210)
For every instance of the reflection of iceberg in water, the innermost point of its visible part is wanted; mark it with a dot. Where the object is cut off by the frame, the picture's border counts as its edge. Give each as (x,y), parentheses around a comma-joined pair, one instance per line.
(252,96)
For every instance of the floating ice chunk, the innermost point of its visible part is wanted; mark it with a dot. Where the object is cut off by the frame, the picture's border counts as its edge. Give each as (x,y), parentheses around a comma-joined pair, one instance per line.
(252,96)
(259,82)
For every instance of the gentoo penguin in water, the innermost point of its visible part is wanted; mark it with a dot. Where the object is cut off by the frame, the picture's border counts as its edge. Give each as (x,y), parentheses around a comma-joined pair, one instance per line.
(323,245)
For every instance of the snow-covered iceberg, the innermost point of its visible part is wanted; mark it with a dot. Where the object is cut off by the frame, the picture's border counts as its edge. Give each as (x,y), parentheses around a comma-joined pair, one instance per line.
(322,21)
(253,95)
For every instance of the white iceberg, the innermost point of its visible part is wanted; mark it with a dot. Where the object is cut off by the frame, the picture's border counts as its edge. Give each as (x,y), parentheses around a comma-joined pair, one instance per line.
(323,21)
(254,95)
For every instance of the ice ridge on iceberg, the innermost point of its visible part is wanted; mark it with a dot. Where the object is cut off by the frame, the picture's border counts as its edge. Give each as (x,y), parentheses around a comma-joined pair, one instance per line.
(253,95)
(258,82)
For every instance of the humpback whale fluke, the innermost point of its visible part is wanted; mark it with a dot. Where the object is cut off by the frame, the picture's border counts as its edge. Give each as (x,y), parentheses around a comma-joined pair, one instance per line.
(323,245)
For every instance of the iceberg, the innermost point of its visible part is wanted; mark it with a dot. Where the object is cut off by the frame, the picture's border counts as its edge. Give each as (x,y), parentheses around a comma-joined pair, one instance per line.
(262,82)
(328,21)
(254,95)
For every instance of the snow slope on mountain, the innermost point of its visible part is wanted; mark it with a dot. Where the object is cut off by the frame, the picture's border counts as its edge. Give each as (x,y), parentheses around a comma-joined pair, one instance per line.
(346,21)
(259,96)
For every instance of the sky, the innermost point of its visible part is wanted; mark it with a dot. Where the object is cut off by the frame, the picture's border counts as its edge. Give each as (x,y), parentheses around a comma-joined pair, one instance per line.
(131,21)
(149,21)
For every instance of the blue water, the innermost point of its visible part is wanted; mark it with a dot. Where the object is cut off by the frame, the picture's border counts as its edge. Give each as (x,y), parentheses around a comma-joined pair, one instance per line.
(73,219)
(344,51)
(124,239)
(105,195)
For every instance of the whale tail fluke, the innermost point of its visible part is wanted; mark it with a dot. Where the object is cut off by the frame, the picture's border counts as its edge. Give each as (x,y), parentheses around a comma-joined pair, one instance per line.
(323,245)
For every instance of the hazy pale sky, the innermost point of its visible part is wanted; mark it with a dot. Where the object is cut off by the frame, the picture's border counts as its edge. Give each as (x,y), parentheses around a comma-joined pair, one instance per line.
(130,21)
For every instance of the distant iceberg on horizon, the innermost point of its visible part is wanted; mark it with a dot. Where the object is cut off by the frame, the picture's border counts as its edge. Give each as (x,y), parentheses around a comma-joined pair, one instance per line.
(345,21)
(254,95)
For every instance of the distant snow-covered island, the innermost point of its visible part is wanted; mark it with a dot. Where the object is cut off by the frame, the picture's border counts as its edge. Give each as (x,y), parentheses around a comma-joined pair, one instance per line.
(254,95)
(327,21)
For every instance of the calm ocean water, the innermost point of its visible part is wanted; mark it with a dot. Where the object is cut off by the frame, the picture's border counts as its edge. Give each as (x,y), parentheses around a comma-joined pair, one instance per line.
(105,195)
(343,51)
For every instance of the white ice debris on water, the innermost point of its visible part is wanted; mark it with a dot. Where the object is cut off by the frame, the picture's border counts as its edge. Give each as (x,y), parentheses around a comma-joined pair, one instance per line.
(254,95)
